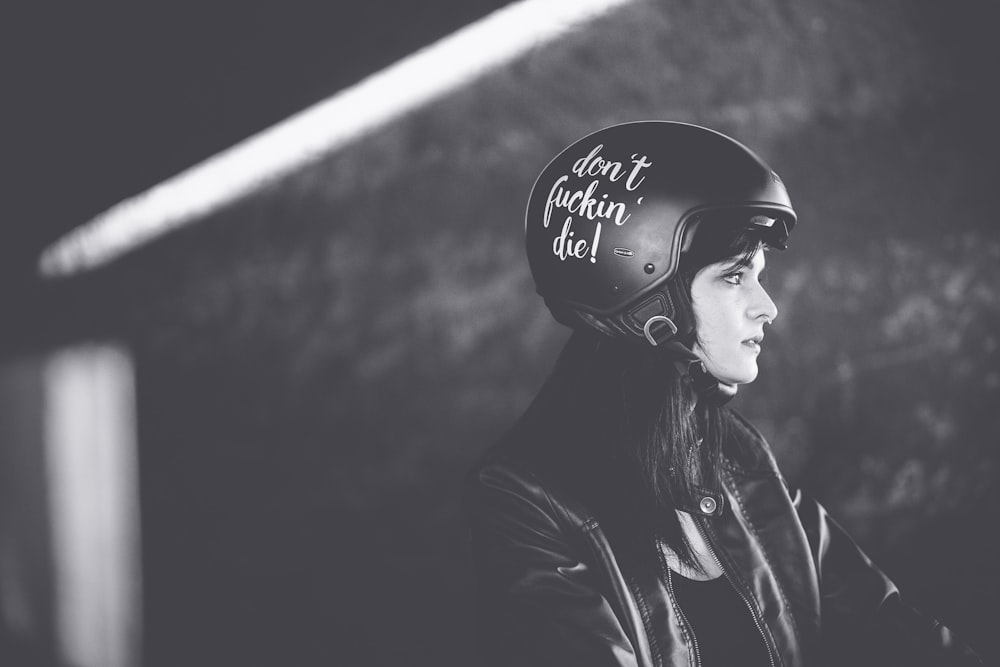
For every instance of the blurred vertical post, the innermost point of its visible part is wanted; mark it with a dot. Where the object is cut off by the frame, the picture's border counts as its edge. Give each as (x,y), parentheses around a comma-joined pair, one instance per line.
(93,496)
(69,508)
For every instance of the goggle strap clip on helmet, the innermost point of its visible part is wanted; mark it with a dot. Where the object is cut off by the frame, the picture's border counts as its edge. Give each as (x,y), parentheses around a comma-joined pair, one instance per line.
(660,316)
(670,330)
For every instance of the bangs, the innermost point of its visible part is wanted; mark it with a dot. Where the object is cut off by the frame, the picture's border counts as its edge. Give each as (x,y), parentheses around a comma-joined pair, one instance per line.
(731,236)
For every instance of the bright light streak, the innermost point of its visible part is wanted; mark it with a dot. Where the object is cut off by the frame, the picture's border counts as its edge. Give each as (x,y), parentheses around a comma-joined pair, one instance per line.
(414,81)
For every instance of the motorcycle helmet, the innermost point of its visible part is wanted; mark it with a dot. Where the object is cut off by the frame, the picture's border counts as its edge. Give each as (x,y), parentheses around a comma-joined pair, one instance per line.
(610,216)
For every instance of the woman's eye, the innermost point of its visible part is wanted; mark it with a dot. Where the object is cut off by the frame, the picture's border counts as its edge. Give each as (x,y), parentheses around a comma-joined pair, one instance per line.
(733,278)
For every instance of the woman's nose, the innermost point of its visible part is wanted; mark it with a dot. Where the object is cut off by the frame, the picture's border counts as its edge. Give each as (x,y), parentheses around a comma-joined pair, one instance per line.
(763,306)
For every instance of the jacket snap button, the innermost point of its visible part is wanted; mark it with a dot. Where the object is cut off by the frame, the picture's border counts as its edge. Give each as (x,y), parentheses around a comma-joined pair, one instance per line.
(708,505)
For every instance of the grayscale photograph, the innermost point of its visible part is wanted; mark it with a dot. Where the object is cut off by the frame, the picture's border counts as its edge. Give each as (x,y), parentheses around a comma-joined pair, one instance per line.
(490,333)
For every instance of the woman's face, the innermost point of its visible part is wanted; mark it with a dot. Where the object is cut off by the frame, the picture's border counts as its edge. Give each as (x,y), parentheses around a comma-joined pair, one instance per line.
(730,310)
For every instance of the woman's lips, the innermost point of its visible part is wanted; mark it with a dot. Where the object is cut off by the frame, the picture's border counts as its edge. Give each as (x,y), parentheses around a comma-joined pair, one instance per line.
(754,343)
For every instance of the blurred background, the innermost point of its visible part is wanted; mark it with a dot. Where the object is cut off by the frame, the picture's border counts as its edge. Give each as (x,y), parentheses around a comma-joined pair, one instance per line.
(243,442)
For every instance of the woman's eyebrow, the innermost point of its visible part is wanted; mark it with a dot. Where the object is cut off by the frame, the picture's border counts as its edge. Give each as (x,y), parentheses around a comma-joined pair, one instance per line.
(734,265)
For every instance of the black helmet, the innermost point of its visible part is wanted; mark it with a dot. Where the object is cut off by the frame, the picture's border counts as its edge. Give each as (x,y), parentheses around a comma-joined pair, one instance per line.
(609,217)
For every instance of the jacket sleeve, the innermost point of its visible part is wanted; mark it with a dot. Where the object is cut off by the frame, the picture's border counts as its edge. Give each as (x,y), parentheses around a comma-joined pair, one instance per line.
(864,620)
(539,600)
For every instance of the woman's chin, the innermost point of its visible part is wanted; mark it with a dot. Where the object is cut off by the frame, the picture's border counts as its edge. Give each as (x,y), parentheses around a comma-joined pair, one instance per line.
(735,376)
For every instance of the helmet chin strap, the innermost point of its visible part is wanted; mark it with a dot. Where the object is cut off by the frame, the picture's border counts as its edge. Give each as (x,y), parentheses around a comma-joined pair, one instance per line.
(669,326)
(709,388)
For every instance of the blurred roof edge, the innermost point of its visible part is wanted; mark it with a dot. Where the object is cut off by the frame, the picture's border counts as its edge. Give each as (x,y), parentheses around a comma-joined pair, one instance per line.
(306,136)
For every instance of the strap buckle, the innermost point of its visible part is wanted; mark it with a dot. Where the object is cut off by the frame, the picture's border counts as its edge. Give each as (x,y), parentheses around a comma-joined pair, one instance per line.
(647,329)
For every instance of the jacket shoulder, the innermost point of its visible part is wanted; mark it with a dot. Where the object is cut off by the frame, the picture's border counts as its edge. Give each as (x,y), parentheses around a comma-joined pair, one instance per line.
(745,449)
(518,467)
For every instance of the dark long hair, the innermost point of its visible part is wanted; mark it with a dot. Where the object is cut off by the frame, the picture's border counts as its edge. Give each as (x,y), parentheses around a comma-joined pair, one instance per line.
(642,442)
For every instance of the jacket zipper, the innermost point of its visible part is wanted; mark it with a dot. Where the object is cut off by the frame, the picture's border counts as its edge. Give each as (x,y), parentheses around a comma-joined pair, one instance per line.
(739,590)
(677,606)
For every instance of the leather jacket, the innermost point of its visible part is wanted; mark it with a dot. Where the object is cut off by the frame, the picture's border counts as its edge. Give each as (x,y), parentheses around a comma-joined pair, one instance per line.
(555,588)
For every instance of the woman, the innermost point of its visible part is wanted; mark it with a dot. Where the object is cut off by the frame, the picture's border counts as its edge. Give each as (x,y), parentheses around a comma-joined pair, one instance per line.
(629,518)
